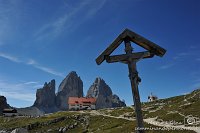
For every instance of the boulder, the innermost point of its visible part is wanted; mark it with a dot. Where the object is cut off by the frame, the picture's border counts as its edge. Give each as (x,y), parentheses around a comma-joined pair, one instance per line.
(20,130)
(71,86)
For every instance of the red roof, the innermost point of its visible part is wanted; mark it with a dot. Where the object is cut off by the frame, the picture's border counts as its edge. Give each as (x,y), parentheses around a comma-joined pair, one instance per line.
(81,100)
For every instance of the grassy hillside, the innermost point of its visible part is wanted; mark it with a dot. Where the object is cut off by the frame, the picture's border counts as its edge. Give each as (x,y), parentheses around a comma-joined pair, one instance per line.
(174,108)
(73,122)
(116,120)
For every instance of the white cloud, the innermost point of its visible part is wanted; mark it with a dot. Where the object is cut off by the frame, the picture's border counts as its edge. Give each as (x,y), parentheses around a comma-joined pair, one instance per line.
(19,91)
(9,57)
(9,11)
(181,55)
(38,86)
(31,82)
(30,97)
(166,66)
(70,20)
(196,85)
(95,8)
(43,68)
(196,82)
(48,70)
(185,93)
(198,59)
(31,62)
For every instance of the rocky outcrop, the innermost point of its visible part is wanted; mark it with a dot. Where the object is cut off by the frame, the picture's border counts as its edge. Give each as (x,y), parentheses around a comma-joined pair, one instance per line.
(45,98)
(20,130)
(3,104)
(105,99)
(116,102)
(71,86)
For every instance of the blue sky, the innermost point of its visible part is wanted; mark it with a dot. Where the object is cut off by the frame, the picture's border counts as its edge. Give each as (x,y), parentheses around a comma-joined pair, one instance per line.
(43,40)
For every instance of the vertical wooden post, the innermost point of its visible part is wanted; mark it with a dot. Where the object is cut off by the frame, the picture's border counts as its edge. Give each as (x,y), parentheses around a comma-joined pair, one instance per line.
(134,79)
(131,59)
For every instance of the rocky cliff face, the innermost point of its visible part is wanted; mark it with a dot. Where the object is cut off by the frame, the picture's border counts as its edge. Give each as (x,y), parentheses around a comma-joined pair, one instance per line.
(116,102)
(71,86)
(45,98)
(3,104)
(105,99)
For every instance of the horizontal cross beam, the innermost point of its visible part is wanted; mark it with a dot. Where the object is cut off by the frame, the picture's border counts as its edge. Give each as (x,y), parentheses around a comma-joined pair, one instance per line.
(126,57)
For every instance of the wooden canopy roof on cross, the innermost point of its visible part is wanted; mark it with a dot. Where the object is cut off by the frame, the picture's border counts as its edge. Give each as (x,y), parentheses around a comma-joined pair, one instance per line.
(153,48)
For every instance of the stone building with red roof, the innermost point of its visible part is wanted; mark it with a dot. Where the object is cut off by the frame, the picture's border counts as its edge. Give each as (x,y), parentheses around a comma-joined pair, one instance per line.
(81,103)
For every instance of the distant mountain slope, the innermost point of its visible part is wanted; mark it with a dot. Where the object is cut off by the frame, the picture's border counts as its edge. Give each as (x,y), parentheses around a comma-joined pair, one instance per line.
(30,111)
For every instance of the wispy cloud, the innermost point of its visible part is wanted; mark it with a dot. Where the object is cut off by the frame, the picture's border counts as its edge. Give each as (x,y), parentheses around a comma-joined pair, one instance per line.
(38,86)
(31,82)
(98,5)
(30,97)
(8,11)
(196,82)
(32,63)
(9,57)
(196,85)
(67,22)
(193,55)
(166,66)
(197,59)
(181,55)
(20,91)
(43,68)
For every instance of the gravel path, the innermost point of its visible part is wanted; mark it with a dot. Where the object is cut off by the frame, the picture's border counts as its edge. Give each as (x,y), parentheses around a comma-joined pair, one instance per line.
(151,121)
(156,123)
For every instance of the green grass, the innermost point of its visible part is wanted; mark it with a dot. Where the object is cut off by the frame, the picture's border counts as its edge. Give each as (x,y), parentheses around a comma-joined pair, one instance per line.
(97,124)
(174,117)
(101,124)
(14,122)
(121,111)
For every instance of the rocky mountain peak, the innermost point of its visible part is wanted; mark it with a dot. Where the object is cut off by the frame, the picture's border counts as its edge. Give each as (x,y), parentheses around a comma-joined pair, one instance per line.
(71,86)
(105,98)
(71,78)
(99,87)
(45,97)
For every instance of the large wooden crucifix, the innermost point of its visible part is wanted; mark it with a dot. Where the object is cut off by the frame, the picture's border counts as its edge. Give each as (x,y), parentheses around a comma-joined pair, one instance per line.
(131,59)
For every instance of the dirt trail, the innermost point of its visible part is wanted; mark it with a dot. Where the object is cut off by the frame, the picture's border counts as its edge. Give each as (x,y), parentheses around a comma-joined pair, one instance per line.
(94,112)
(156,123)
(149,121)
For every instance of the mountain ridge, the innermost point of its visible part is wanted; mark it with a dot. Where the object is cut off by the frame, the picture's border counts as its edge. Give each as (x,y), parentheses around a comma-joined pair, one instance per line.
(49,101)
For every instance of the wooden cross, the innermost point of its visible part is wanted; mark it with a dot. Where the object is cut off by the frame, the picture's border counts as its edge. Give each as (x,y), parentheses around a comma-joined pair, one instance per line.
(131,59)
